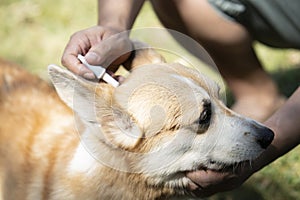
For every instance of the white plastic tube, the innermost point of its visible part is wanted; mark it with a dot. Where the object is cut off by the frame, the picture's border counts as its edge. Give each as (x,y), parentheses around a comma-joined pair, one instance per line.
(99,71)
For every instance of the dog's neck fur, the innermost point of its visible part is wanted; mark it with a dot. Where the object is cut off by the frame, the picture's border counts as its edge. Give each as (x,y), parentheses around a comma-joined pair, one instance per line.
(100,163)
(58,126)
(133,142)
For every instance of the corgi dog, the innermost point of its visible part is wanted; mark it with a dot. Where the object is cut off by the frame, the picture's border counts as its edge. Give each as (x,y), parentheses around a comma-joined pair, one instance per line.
(87,140)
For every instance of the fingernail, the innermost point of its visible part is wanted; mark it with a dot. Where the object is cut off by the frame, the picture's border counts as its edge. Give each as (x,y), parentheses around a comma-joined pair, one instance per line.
(92,57)
(89,75)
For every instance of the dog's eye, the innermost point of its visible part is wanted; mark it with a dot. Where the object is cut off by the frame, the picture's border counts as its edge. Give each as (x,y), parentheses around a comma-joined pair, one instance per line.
(205,115)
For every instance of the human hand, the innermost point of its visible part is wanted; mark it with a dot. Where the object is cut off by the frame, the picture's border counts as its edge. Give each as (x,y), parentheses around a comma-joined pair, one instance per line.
(100,45)
(284,123)
(207,182)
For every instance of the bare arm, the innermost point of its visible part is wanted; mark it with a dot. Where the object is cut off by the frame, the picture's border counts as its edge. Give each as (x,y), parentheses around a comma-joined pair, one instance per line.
(120,14)
(108,43)
(286,125)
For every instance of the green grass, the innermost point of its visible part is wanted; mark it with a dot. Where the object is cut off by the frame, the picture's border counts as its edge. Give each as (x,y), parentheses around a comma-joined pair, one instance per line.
(34,33)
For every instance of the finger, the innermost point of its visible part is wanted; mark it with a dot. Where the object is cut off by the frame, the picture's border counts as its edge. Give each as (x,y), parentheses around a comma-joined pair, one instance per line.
(70,60)
(210,182)
(78,68)
(209,191)
(205,178)
(106,52)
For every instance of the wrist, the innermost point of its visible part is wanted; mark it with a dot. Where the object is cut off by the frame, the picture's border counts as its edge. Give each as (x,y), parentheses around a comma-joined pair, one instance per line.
(119,15)
(117,25)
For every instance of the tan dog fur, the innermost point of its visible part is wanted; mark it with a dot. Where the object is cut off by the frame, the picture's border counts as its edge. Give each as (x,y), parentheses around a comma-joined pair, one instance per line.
(131,142)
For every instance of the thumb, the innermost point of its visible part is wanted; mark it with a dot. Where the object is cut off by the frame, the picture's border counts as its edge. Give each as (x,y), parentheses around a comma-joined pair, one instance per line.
(101,55)
(114,50)
(93,58)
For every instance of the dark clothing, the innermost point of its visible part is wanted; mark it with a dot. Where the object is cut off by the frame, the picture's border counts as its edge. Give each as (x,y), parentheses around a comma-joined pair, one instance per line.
(272,22)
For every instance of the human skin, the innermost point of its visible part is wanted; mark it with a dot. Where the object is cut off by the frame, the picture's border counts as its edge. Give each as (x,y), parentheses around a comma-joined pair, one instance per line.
(229,44)
(286,126)
(244,78)
(114,17)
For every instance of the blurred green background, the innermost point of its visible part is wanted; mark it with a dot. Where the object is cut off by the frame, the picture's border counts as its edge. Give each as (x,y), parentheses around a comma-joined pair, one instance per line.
(34,33)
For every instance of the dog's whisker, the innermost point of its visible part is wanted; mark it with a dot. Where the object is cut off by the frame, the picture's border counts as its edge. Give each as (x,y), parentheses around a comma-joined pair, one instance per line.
(140,140)
(250,164)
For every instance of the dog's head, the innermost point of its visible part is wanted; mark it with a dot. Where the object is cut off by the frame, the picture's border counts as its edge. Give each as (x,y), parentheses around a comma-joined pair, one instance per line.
(167,116)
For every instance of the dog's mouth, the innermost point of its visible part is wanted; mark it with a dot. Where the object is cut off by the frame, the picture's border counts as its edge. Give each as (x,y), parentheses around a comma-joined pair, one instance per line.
(217,166)
(221,167)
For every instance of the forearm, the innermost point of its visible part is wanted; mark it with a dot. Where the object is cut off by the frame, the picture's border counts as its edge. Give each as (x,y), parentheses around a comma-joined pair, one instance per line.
(286,125)
(118,14)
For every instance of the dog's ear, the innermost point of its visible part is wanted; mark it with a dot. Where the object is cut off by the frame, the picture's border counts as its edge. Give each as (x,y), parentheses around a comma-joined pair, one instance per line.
(93,104)
(142,54)
(76,92)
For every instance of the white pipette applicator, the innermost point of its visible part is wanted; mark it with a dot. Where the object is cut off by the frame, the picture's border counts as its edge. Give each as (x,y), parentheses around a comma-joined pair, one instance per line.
(99,71)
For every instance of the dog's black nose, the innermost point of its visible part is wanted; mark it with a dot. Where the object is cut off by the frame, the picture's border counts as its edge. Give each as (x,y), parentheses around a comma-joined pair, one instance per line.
(265,138)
